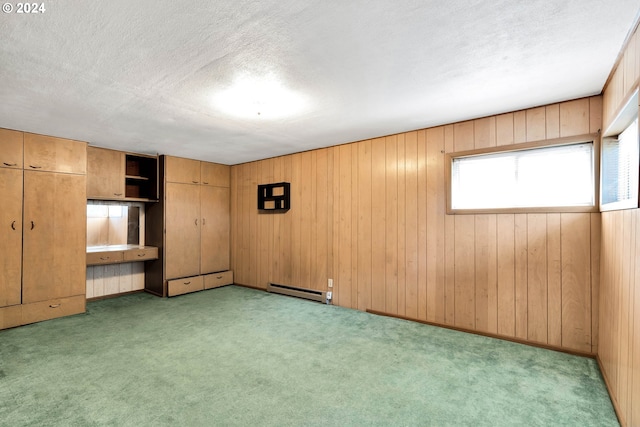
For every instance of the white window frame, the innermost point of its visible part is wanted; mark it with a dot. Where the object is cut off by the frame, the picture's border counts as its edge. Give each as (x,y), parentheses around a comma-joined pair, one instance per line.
(627,115)
(588,138)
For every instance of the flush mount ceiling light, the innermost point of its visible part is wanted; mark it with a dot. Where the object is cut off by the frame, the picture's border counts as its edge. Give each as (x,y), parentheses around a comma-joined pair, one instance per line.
(259,97)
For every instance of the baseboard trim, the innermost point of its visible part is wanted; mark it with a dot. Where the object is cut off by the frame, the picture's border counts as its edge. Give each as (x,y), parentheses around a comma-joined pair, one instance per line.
(614,401)
(114,295)
(490,335)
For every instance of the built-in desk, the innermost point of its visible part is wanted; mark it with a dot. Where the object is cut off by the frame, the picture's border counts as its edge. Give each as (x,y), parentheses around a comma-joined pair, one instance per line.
(116,254)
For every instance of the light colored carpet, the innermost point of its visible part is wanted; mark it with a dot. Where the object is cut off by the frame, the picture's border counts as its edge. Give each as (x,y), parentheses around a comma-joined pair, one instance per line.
(236,356)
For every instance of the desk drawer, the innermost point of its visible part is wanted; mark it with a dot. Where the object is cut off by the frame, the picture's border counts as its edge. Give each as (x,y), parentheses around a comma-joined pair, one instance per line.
(184,286)
(141,254)
(216,280)
(110,257)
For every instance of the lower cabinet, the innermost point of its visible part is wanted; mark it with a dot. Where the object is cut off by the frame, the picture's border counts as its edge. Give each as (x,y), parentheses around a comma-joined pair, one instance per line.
(198,283)
(45,310)
(216,280)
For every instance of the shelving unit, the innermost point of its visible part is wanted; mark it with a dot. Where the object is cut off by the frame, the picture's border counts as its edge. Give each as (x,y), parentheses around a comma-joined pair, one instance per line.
(274,197)
(116,175)
(141,177)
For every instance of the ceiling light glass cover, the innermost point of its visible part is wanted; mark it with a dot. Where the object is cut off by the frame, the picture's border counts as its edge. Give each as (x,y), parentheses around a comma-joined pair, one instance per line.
(259,97)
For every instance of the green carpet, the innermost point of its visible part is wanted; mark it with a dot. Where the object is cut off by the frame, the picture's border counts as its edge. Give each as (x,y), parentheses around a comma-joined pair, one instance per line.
(235,356)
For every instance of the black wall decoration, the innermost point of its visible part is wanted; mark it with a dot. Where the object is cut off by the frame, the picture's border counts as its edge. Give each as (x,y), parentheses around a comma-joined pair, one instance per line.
(274,197)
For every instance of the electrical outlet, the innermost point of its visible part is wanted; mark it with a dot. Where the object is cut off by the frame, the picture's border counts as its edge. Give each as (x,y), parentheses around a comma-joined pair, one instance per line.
(330,282)
(329,295)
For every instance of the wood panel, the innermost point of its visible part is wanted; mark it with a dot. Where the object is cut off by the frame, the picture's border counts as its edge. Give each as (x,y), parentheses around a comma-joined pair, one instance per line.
(214,238)
(11,242)
(393,248)
(576,276)
(618,294)
(47,153)
(105,173)
(619,298)
(182,248)
(215,174)
(180,170)
(11,149)
(54,241)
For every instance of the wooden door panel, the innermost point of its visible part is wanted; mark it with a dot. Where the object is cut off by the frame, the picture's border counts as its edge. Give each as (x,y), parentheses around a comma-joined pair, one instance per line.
(11,149)
(182,246)
(181,170)
(215,174)
(54,236)
(215,229)
(105,173)
(46,153)
(10,236)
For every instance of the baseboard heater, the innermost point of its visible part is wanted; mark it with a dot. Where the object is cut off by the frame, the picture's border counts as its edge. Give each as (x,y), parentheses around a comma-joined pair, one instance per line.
(311,294)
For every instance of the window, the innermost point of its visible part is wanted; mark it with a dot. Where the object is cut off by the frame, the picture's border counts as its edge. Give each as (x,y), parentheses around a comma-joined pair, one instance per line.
(620,161)
(554,176)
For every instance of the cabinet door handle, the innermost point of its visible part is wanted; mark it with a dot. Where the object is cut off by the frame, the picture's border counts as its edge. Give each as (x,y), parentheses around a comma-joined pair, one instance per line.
(141,255)
(205,183)
(195,182)
(204,221)
(196,222)
(218,277)
(9,164)
(35,167)
(54,305)
(117,194)
(104,258)
(187,283)
(33,225)
(13,225)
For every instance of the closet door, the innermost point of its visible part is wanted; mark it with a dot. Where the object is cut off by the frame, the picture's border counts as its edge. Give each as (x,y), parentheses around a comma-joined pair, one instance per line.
(215,229)
(182,225)
(54,236)
(11,241)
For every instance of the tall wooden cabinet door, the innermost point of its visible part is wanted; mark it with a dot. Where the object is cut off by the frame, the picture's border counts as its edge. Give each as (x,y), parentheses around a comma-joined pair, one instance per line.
(215,174)
(11,149)
(10,236)
(182,238)
(54,236)
(105,173)
(46,153)
(181,170)
(215,228)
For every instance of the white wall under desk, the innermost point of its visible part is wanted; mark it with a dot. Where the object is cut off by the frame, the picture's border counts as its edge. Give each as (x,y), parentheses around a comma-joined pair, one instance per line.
(112,279)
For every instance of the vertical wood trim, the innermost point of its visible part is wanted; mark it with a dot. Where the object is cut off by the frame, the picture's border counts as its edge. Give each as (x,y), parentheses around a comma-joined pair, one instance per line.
(378,224)
(391,207)
(521,275)
(422,225)
(411,224)
(364,225)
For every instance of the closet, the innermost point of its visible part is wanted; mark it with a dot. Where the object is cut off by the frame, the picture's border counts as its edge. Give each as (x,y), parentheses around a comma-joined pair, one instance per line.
(43,187)
(191,224)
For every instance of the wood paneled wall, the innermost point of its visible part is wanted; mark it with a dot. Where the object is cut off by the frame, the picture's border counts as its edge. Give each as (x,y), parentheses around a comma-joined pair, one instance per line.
(371,216)
(619,349)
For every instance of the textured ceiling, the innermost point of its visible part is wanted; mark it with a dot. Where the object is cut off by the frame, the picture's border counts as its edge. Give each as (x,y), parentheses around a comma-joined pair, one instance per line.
(142,75)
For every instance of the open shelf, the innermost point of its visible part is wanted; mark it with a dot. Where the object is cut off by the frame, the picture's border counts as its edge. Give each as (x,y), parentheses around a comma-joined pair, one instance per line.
(141,177)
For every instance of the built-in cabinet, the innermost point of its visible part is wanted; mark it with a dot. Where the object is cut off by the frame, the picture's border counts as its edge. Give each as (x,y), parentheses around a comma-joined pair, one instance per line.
(191,226)
(116,175)
(43,217)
